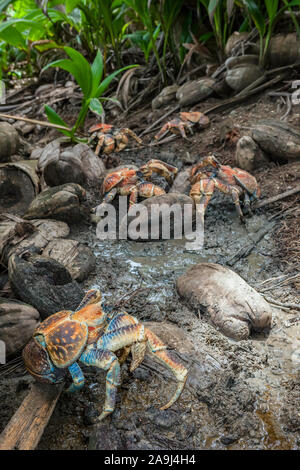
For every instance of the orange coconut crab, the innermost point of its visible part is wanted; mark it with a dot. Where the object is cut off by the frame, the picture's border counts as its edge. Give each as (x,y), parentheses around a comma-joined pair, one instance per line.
(134,183)
(186,121)
(93,335)
(232,181)
(111,139)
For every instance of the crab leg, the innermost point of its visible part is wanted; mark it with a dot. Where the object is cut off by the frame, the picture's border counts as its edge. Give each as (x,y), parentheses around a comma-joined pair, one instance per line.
(135,335)
(110,196)
(108,361)
(210,160)
(159,350)
(77,377)
(234,193)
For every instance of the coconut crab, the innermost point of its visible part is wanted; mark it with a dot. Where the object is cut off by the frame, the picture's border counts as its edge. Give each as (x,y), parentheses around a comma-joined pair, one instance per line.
(232,181)
(134,183)
(111,139)
(92,335)
(185,121)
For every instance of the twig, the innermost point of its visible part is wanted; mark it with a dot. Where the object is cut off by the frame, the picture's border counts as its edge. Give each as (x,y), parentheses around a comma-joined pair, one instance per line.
(246,250)
(280,304)
(34,121)
(239,99)
(270,200)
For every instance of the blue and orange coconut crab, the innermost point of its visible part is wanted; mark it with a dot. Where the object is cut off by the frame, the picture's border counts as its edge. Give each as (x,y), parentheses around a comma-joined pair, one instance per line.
(92,335)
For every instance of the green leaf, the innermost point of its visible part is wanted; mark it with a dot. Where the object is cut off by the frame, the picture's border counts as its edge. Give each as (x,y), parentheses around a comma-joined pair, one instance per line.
(212,6)
(97,72)
(257,16)
(54,118)
(96,106)
(13,37)
(71,4)
(84,73)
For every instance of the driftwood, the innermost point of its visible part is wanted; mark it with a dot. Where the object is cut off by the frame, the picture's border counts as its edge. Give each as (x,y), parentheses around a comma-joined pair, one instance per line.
(27,425)
(19,184)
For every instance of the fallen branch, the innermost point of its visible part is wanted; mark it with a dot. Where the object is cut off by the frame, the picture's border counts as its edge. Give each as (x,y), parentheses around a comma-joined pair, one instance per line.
(246,250)
(27,425)
(239,99)
(270,200)
(34,121)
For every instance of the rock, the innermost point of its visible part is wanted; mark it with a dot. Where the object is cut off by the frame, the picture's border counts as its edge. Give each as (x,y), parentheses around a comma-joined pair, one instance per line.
(106,437)
(233,306)
(144,227)
(18,235)
(19,184)
(17,323)
(284,49)
(278,139)
(9,141)
(181,183)
(242,71)
(233,40)
(194,91)
(44,283)
(77,258)
(249,155)
(166,96)
(173,336)
(61,203)
(77,164)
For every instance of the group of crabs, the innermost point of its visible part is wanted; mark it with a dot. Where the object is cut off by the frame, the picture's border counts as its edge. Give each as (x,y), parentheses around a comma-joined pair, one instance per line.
(234,182)
(97,335)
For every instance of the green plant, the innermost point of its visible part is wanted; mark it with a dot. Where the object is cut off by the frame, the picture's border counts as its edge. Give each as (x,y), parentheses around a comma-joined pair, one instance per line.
(143,9)
(266,28)
(143,41)
(169,12)
(220,13)
(89,78)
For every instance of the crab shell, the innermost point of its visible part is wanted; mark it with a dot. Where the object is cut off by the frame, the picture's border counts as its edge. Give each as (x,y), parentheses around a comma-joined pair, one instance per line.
(104,128)
(236,176)
(195,117)
(126,176)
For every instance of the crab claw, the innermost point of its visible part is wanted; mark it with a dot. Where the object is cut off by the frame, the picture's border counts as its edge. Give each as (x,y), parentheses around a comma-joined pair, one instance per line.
(160,167)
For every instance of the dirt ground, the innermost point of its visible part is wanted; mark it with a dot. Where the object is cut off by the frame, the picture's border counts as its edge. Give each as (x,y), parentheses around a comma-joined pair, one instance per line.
(239,395)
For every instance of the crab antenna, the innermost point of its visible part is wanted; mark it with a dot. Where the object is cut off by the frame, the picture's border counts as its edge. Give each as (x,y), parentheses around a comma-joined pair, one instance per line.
(92,296)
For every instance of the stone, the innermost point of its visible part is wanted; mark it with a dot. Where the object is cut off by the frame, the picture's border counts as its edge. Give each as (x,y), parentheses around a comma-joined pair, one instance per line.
(242,71)
(194,91)
(17,323)
(152,227)
(233,306)
(61,202)
(249,155)
(166,96)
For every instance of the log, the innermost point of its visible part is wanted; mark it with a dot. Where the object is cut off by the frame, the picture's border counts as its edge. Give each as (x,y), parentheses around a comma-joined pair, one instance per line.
(27,425)
(19,184)
(278,139)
